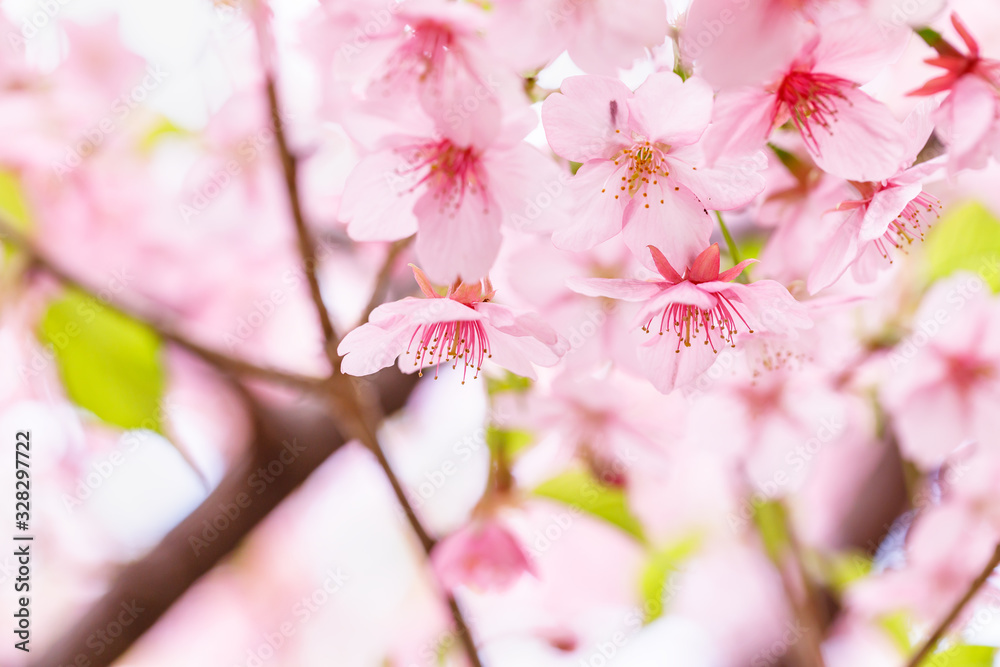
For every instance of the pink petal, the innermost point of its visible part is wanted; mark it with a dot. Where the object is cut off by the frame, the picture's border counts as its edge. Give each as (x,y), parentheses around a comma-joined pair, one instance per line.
(460,242)
(964,120)
(768,306)
(625,290)
(730,183)
(883,208)
(663,266)
(532,190)
(680,226)
(857,48)
(864,141)
(580,122)
(670,110)
(517,323)
(667,368)
(837,254)
(519,354)
(741,122)
(377,202)
(598,215)
(706,265)
(731,274)
(370,348)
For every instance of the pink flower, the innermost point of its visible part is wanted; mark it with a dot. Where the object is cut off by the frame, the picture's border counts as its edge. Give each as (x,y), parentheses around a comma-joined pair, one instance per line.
(943,382)
(642,172)
(454,194)
(483,555)
(849,133)
(463,326)
(600,35)
(967,119)
(702,305)
(884,219)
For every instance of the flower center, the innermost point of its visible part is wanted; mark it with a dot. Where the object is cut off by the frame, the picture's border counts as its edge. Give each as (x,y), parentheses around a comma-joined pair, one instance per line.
(690,322)
(450,342)
(810,100)
(909,225)
(645,164)
(447,170)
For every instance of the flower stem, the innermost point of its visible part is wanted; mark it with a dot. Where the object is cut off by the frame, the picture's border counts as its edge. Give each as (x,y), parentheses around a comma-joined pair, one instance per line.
(734,251)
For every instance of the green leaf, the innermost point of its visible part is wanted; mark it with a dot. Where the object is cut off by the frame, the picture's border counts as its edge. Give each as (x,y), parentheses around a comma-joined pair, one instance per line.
(897,625)
(579,489)
(110,364)
(160,130)
(575,167)
(961,655)
(845,568)
(772,522)
(662,565)
(512,441)
(967,238)
(13,208)
(509,382)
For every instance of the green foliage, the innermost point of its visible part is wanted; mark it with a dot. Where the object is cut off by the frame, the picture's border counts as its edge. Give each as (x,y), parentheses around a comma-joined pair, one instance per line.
(967,238)
(510,382)
(512,441)
(772,522)
(845,568)
(110,364)
(663,564)
(580,490)
(961,655)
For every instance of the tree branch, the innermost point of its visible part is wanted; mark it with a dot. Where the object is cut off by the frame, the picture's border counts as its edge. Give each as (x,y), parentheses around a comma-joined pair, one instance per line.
(942,628)
(166,331)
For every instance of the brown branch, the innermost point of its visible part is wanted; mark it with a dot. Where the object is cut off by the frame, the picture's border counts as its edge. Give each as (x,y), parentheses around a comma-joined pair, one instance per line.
(155,582)
(355,420)
(943,626)
(381,288)
(166,331)
(307,245)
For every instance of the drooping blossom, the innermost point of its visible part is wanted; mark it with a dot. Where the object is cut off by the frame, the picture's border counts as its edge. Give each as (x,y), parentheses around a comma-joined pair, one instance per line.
(643,173)
(884,217)
(968,119)
(483,555)
(848,132)
(463,327)
(703,310)
(452,192)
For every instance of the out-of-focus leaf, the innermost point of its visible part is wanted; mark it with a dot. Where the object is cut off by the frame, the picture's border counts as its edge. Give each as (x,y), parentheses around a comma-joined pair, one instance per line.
(13,208)
(575,167)
(164,127)
(843,569)
(579,489)
(897,626)
(509,382)
(664,564)
(967,238)
(772,522)
(961,655)
(110,364)
(512,441)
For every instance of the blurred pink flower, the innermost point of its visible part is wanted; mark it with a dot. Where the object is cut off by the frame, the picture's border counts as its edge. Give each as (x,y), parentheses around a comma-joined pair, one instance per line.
(702,303)
(848,132)
(968,117)
(483,555)
(462,326)
(453,193)
(643,173)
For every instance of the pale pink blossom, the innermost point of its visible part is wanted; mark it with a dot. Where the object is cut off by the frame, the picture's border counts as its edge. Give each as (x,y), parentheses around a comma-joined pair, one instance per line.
(483,555)
(463,327)
(643,171)
(848,132)
(884,217)
(454,192)
(943,381)
(703,310)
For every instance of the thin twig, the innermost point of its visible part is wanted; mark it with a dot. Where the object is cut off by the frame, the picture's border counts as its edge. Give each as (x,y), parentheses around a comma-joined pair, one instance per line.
(307,246)
(165,331)
(355,420)
(384,276)
(945,623)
